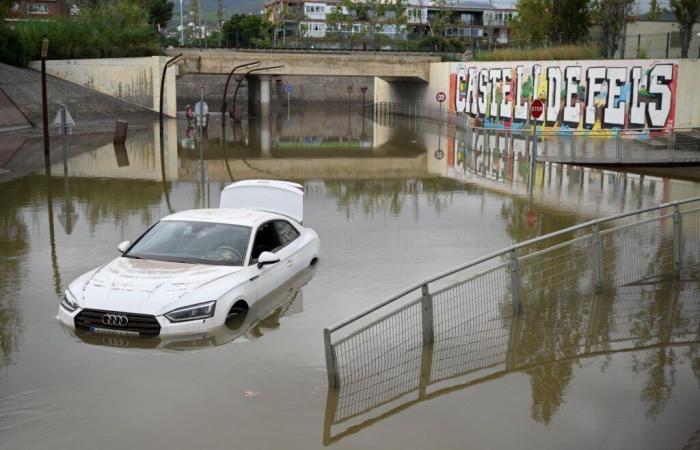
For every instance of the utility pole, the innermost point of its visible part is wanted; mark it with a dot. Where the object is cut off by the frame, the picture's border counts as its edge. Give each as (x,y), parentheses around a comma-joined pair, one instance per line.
(44,102)
(182,28)
(220,18)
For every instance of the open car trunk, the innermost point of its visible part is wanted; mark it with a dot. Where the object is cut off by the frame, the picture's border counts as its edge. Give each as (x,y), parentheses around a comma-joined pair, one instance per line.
(280,197)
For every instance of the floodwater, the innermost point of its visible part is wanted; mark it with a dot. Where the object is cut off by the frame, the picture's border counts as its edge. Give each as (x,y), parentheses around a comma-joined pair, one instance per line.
(393,203)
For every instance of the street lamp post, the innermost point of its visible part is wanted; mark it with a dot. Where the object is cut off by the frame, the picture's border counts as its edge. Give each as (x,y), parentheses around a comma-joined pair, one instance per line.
(44,105)
(238,85)
(223,100)
(182,28)
(349,88)
(364,90)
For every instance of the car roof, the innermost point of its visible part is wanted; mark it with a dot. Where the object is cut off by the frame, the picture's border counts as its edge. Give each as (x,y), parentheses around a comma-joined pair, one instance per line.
(243,217)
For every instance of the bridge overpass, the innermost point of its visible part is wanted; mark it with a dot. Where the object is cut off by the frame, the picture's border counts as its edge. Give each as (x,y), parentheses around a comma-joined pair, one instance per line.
(389,66)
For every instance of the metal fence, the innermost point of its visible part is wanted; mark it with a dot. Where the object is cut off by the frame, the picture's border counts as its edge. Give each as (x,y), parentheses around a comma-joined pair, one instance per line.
(562,145)
(487,343)
(477,300)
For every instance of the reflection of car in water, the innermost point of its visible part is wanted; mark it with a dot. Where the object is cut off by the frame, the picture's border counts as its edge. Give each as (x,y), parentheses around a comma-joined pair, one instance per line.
(262,317)
(194,270)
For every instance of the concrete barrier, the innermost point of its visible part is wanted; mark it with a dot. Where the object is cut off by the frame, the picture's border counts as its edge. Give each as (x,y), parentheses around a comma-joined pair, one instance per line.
(136,80)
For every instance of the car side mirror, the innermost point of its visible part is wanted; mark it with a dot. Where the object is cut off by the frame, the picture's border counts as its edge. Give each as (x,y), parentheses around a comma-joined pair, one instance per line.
(123,246)
(266,258)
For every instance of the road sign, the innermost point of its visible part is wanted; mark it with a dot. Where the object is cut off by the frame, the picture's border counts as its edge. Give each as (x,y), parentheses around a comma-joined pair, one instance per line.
(64,124)
(441,97)
(536,108)
(289,88)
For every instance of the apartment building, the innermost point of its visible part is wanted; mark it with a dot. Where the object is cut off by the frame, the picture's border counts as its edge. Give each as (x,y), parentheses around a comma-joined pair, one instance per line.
(464,20)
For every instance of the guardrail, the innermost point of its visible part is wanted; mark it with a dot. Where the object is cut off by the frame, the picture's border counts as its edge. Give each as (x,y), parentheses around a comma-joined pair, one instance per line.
(563,145)
(627,319)
(569,263)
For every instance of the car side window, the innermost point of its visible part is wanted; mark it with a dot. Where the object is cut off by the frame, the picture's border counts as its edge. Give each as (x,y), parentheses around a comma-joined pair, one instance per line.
(266,240)
(287,233)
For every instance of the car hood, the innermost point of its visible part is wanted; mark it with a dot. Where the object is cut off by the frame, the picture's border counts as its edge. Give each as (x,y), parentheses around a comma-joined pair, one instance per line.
(150,287)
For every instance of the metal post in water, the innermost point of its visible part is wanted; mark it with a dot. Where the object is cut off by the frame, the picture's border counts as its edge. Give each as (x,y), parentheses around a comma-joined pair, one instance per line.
(331,362)
(597,256)
(573,147)
(677,239)
(618,146)
(515,283)
(426,302)
(64,134)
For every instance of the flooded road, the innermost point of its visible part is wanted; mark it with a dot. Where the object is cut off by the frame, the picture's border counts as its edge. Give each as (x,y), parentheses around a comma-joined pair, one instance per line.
(390,210)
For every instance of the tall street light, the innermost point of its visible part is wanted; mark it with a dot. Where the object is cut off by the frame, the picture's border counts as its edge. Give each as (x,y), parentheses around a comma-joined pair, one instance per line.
(44,103)
(238,85)
(242,66)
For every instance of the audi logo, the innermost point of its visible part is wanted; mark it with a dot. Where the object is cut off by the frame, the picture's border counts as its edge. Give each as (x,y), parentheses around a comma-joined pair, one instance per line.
(116,320)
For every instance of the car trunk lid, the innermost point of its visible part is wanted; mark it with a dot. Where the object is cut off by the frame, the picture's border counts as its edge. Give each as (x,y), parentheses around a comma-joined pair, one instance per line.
(280,197)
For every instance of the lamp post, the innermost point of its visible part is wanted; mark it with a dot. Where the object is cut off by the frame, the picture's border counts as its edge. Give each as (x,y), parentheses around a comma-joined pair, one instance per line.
(44,106)
(223,100)
(349,88)
(238,85)
(364,91)
(182,28)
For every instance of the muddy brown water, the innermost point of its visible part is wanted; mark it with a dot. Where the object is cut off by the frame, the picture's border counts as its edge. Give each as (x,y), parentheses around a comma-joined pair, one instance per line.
(390,211)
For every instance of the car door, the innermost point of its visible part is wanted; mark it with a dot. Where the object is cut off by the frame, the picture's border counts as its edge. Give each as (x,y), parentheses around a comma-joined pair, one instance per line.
(271,276)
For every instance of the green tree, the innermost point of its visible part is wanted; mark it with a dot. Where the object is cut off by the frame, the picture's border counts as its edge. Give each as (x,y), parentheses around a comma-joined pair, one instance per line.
(247,30)
(687,13)
(612,16)
(532,22)
(654,10)
(160,12)
(570,21)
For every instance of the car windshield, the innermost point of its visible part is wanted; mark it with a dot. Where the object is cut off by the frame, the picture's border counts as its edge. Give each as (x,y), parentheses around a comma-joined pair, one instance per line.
(193,242)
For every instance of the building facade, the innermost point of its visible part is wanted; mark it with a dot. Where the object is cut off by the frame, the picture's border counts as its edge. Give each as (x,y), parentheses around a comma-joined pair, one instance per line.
(323,19)
(40,9)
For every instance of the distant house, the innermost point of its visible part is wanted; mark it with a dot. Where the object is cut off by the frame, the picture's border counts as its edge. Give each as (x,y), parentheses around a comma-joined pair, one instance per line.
(37,9)
(467,21)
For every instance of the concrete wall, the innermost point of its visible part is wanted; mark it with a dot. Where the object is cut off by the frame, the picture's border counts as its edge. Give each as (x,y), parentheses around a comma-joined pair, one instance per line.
(335,63)
(676,107)
(136,80)
(304,90)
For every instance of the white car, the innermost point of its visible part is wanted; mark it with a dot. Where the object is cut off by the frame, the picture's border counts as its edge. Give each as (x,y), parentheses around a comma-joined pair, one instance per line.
(193,270)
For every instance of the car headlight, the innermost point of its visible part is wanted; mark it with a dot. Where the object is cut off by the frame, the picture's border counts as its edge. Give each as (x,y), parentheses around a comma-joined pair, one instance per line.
(193,312)
(69,303)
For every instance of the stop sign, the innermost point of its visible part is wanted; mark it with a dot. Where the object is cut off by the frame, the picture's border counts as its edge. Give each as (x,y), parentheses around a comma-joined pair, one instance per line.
(536,108)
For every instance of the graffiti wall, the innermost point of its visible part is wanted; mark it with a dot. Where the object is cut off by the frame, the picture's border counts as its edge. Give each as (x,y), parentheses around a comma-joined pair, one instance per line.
(578,95)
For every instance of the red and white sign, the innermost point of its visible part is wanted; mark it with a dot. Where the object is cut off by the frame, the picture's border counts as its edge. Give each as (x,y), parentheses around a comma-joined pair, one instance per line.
(537,108)
(441,97)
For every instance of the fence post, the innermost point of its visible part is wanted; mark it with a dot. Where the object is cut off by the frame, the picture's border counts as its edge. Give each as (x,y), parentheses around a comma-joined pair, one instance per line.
(515,283)
(426,302)
(331,361)
(677,239)
(597,248)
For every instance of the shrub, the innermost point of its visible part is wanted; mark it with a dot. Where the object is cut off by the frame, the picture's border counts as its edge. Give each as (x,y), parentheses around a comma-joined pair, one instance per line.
(111,30)
(565,52)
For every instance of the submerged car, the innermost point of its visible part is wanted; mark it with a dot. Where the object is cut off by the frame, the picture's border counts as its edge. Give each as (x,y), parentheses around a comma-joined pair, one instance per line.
(193,270)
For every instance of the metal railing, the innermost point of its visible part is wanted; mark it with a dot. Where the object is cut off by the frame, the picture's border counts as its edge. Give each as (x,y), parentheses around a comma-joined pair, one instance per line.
(571,263)
(561,145)
(475,350)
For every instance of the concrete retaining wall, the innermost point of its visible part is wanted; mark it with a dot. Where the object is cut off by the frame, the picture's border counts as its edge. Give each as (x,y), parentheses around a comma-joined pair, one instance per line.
(680,88)
(136,80)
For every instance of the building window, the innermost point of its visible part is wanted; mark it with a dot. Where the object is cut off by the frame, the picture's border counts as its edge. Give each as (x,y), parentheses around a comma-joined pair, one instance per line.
(37,8)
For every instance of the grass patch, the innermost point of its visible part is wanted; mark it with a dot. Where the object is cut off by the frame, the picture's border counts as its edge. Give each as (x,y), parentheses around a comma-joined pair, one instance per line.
(565,52)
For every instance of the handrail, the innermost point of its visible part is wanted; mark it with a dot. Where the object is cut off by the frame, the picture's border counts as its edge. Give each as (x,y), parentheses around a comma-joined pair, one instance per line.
(512,248)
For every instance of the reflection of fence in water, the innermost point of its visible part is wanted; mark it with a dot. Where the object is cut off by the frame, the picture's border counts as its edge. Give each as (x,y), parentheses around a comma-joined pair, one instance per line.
(471,325)
(480,346)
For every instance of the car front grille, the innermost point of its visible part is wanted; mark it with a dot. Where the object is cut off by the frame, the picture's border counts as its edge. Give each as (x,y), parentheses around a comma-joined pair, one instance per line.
(144,324)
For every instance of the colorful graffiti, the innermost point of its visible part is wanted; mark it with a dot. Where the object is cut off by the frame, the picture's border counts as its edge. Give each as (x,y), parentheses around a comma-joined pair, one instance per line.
(578,95)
